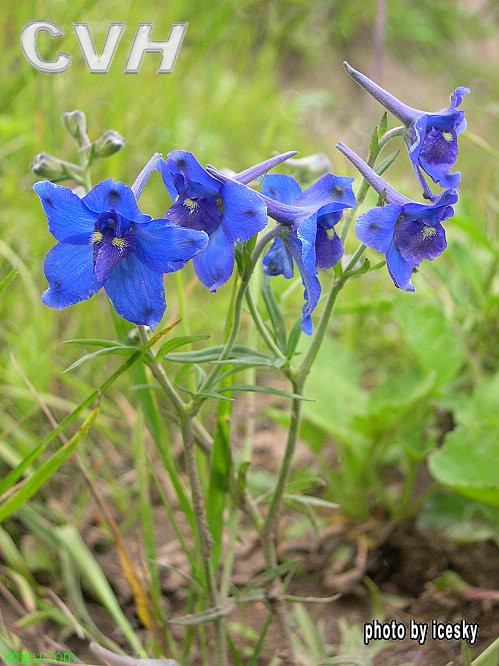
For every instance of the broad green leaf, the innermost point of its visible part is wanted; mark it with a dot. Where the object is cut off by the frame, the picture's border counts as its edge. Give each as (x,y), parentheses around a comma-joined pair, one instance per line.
(468,462)
(334,381)
(431,337)
(458,518)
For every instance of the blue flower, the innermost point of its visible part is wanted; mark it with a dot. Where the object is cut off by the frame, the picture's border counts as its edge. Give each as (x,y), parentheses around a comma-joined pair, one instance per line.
(105,241)
(431,137)
(307,233)
(228,212)
(405,231)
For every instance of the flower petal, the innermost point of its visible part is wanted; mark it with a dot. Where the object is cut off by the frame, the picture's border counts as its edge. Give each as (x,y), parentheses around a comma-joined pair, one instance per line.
(244,213)
(400,270)
(70,274)
(183,162)
(214,264)
(278,260)
(375,228)
(281,188)
(326,191)
(164,247)
(417,241)
(136,292)
(110,195)
(70,221)
(328,250)
(302,247)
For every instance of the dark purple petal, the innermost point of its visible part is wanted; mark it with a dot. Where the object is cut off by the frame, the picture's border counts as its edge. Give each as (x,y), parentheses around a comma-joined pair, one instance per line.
(107,254)
(214,264)
(164,247)
(328,248)
(375,228)
(202,214)
(417,241)
(244,212)
(69,272)
(70,221)
(110,195)
(136,292)
(278,260)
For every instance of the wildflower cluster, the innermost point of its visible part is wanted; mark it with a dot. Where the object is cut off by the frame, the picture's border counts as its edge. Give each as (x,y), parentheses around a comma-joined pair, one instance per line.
(105,241)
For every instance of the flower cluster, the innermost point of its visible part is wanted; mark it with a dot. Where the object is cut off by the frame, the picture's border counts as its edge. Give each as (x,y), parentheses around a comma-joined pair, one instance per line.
(105,241)
(405,231)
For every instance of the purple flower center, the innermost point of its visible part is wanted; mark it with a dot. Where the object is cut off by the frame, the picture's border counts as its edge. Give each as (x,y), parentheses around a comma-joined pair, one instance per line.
(111,240)
(439,147)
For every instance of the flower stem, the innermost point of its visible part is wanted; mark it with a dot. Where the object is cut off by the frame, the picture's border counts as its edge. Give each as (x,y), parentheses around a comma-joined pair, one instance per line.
(237,314)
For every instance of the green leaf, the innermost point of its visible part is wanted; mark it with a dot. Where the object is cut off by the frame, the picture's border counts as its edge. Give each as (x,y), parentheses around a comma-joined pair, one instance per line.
(93,342)
(386,163)
(31,485)
(431,337)
(70,539)
(253,388)
(467,462)
(117,349)
(220,469)
(275,314)
(374,143)
(210,354)
(383,124)
(293,339)
(8,279)
(458,518)
(175,343)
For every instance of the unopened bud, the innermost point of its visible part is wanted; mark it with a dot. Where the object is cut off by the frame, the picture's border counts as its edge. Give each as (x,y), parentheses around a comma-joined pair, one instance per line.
(76,123)
(49,167)
(316,164)
(108,144)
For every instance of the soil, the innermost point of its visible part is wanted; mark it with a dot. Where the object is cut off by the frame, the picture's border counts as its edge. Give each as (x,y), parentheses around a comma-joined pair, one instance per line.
(375,570)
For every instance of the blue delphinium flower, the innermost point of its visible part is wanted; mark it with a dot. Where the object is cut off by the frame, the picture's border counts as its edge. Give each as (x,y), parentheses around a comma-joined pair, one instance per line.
(228,212)
(297,213)
(105,241)
(431,137)
(307,238)
(405,231)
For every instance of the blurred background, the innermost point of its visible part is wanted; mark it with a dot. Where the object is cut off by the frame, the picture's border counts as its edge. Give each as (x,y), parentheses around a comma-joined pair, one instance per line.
(397,374)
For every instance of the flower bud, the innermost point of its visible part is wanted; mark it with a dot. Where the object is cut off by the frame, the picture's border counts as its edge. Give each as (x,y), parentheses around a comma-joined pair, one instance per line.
(76,123)
(49,167)
(109,143)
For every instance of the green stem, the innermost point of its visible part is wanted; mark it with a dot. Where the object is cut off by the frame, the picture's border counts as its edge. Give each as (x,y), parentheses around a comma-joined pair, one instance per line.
(260,325)
(237,314)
